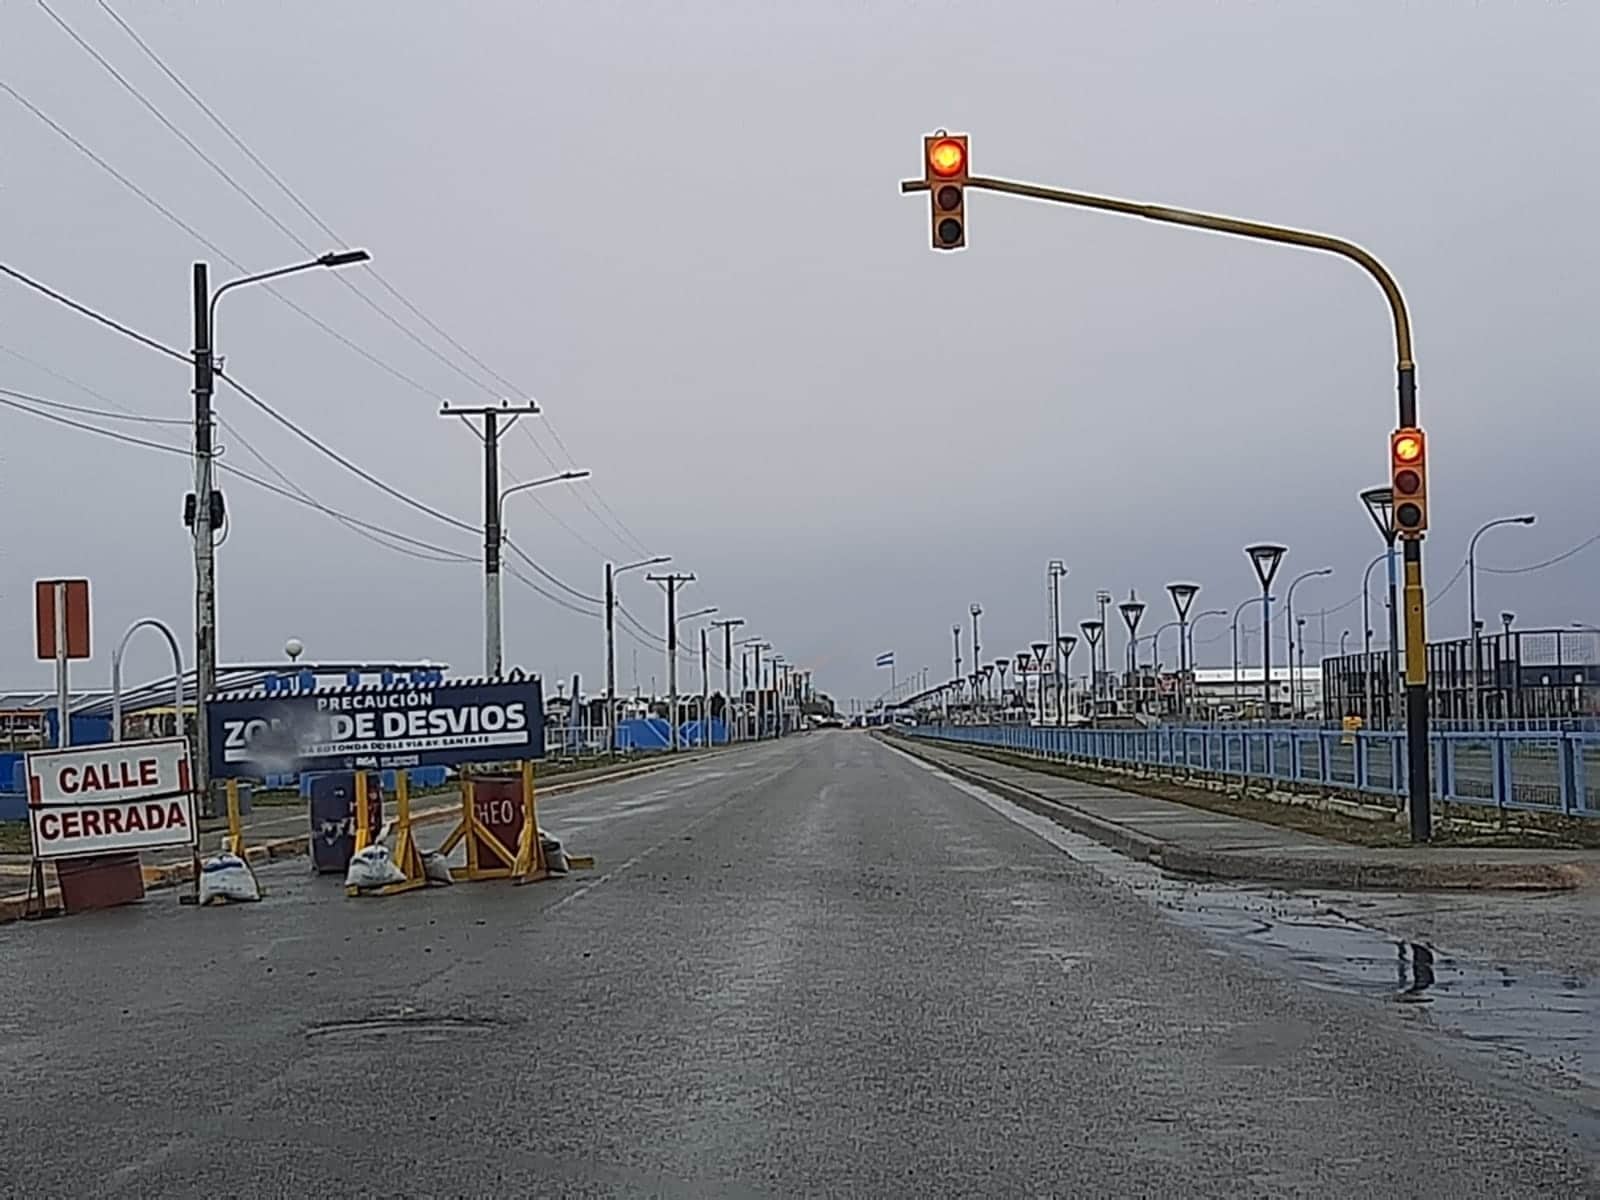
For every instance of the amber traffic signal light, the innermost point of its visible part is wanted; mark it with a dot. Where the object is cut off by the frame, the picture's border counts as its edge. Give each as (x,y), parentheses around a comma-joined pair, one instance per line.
(1408,462)
(944,158)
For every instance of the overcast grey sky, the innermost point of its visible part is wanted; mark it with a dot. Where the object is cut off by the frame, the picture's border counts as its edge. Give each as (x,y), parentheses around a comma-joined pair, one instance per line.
(679,227)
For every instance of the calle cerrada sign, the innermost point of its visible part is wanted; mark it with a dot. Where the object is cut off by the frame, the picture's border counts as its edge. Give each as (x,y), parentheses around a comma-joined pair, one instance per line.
(110,798)
(373,728)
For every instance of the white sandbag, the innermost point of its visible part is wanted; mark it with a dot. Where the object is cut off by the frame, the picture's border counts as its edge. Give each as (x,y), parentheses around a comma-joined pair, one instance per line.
(373,868)
(227,879)
(436,868)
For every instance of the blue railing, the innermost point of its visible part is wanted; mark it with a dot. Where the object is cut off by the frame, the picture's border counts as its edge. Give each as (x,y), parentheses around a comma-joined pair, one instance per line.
(1548,771)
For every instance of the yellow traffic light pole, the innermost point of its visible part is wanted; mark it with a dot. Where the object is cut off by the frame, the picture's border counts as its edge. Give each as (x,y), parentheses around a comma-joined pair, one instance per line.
(1418,789)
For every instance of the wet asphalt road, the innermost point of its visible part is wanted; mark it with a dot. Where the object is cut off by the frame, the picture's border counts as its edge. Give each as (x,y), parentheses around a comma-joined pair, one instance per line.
(814,968)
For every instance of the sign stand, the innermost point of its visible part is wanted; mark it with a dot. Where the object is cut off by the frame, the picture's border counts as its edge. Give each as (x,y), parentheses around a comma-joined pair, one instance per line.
(406,854)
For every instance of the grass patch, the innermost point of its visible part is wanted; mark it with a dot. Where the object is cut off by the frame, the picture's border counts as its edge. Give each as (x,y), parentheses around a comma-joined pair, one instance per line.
(14,838)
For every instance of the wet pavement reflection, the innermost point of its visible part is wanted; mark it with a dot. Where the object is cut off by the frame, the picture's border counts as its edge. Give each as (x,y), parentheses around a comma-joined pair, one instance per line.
(1550,1016)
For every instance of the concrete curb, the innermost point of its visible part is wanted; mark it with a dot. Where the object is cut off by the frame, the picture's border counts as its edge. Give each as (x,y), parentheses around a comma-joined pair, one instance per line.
(167,875)
(1348,874)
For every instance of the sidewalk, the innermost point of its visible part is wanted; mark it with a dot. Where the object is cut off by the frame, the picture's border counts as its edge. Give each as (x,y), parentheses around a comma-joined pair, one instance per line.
(1194,841)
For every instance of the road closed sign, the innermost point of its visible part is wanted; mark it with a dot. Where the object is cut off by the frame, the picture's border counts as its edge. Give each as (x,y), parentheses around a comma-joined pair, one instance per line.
(110,799)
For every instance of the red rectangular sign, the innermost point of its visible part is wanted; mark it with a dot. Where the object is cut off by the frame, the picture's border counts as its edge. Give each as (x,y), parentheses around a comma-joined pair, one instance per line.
(77,622)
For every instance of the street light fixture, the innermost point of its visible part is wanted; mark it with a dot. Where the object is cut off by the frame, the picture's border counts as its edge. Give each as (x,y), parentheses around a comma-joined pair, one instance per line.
(1266,557)
(1473,628)
(1132,610)
(1193,625)
(208,509)
(1183,595)
(1093,632)
(1040,649)
(1065,645)
(1379,502)
(1294,689)
(611,637)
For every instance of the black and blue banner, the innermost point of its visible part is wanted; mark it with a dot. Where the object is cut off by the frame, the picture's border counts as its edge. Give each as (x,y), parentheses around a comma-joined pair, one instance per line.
(376,728)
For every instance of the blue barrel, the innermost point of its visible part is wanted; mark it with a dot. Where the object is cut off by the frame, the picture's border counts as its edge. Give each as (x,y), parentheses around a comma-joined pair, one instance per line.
(333,818)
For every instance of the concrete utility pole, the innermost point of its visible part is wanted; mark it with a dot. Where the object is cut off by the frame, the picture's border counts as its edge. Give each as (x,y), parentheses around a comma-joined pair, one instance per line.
(205,511)
(670,584)
(493,657)
(1058,572)
(705,688)
(727,625)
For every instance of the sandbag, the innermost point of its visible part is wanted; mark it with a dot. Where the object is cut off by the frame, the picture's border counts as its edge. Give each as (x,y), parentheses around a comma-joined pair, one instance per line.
(555,858)
(436,868)
(372,868)
(227,879)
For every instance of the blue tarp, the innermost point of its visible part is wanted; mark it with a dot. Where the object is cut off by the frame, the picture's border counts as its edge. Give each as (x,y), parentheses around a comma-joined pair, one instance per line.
(650,733)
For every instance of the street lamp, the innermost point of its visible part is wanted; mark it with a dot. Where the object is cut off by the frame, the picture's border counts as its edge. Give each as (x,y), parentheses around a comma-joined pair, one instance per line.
(1040,649)
(1366,634)
(1183,595)
(1065,645)
(977,662)
(1132,610)
(1193,625)
(496,637)
(1379,503)
(1472,606)
(1266,557)
(611,637)
(1294,692)
(1243,604)
(1058,572)
(1093,631)
(208,509)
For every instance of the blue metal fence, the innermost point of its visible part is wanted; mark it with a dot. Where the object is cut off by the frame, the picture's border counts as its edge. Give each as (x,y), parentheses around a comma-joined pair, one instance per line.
(1543,771)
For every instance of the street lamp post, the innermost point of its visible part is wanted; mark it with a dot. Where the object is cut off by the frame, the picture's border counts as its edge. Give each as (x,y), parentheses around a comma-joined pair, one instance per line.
(1183,595)
(1093,632)
(1380,506)
(494,656)
(208,511)
(1065,645)
(1293,631)
(1474,628)
(1132,610)
(1366,635)
(1193,667)
(977,662)
(673,672)
(1243,604)
(1040,649)
(611,638)
(1266,557)
(1058,572)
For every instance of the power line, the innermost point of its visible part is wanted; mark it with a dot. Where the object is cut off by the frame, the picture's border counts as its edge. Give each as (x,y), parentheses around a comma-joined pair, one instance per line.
(84,310)
(212,246)
(628,538)
(1549,562)
(92,412)
(275,415)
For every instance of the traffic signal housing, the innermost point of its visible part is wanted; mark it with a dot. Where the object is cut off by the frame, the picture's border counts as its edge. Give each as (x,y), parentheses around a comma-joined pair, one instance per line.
(1408,461)
(944,159)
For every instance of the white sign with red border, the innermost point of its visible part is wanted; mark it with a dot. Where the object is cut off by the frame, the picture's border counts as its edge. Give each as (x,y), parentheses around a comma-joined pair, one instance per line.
(110,799)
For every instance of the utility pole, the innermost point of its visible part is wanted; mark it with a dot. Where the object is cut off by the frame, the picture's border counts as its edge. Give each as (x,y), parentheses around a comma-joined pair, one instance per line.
(727,625)
(493,653)
(705,689)
(1058,571)
(670,583)
(205,578)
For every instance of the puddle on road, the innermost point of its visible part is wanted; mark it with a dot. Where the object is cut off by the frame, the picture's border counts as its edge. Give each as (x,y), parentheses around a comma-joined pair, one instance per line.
(1551,1017)
(1547,1016)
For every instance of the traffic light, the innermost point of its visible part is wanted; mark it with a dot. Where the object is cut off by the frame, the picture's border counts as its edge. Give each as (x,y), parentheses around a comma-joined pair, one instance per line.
(944,157)
(1408,461)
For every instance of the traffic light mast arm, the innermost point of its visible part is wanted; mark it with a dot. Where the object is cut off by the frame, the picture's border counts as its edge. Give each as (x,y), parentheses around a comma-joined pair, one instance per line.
(1416,716)
(1238,228)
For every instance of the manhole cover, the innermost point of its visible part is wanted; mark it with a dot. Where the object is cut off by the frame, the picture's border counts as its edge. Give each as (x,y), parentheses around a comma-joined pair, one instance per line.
(412,1026)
